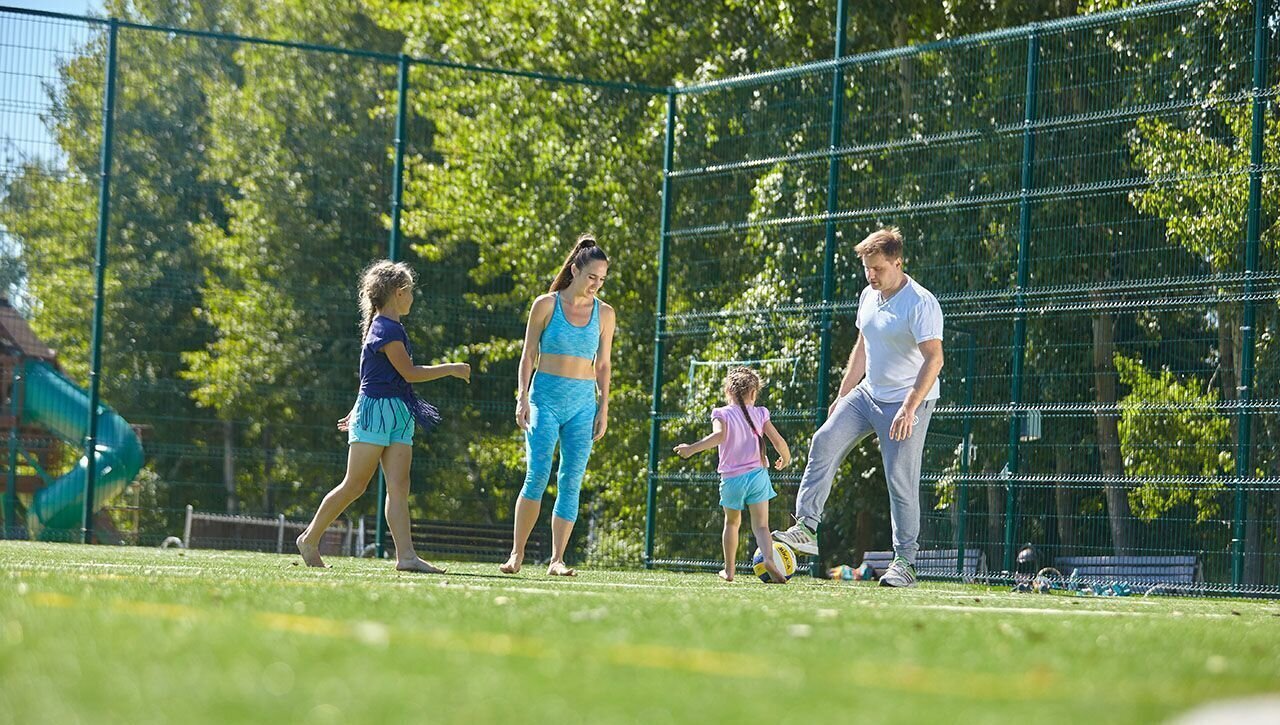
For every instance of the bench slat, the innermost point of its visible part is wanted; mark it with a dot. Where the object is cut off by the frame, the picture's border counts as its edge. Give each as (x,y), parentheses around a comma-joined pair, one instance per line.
(1178,569)
(1127,560)
(932,561)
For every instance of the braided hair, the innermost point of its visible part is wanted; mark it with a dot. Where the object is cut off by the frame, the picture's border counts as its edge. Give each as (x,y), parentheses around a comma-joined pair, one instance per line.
(738,384)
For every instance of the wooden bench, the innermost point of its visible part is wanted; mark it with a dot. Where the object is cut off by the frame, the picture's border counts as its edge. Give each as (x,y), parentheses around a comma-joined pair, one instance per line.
(934,562)
(482,542)
(1132,569)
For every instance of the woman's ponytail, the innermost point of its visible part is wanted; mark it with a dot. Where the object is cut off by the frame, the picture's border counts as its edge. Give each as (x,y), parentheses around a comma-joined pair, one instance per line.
(585,251)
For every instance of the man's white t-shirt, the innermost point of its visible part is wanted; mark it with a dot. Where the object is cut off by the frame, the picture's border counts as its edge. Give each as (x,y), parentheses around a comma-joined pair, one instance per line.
(893,330)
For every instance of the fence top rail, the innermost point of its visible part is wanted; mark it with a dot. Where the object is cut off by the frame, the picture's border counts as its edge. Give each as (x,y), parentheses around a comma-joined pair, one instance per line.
(990,36)
(351,52)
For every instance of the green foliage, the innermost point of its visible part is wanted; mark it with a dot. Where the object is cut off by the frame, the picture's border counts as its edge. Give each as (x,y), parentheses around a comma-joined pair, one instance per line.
(252,183)
(1171,428)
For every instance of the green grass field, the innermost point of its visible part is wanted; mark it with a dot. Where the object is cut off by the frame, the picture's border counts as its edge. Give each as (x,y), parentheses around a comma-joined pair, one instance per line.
(127,635)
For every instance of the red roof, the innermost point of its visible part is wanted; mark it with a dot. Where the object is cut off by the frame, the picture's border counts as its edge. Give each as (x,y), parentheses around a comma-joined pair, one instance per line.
(15,331)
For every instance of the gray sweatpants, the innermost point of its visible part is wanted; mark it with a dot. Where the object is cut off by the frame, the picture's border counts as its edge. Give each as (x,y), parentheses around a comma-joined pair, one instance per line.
(855,417)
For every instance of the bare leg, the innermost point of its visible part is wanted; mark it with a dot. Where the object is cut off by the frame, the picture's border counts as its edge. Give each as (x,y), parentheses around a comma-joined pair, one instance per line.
(760,527)
(362,461)
(729,541)
(526,517)
(560,531)
(395,465)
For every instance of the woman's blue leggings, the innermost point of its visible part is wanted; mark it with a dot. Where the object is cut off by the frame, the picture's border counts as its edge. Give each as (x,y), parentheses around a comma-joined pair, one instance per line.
(561,410)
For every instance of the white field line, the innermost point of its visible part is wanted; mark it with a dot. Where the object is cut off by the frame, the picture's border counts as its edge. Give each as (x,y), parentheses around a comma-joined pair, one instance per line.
(582,585)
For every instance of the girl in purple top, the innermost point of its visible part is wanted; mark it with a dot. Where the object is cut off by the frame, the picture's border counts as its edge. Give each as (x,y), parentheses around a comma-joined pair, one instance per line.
(380,426)
(739,429)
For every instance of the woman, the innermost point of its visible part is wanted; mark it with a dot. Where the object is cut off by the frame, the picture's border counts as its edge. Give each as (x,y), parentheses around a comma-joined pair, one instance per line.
(568,338)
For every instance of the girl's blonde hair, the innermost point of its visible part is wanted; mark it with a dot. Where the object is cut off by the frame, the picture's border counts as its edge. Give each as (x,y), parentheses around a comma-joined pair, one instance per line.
(378,282)
(738,384)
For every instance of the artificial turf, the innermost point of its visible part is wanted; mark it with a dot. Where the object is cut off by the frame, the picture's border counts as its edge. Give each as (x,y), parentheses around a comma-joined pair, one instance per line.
(133,635)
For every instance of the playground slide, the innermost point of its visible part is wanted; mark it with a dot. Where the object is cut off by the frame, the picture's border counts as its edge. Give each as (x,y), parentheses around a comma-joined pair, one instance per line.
(58,405)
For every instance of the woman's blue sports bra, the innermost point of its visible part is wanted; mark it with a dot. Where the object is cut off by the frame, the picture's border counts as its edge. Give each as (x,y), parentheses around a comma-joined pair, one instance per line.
(560,337)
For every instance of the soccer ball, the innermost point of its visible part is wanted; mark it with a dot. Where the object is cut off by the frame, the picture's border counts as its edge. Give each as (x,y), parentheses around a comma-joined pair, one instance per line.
(782,554)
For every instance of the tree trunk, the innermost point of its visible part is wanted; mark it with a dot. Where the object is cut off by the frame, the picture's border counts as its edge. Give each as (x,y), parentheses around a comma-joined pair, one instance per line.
(1253,540)
(862,533)
(1275,525)
(995,523)
(1227,372)
(906,70)
(268,466)
(1231,350)
(1108,423)
(1064,505)
(229,466)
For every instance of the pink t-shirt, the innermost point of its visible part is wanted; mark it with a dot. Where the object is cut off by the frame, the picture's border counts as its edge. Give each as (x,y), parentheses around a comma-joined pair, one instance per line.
(740,450)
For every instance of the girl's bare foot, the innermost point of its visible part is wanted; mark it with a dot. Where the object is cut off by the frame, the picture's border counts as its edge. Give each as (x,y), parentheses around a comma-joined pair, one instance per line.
(513,564)
(726,575)
(418,565)
(558,568)
(310,552)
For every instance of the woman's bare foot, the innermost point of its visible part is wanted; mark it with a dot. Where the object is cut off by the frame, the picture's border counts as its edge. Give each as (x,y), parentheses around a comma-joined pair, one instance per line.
(513,564)
(418,565)
(310,552)
(558,568)
(726,575)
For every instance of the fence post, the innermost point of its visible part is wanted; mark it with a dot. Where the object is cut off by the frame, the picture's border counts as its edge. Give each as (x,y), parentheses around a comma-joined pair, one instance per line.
(393,253)
(1244,428)
(99,273)
(1020,321)
(397,181)
(11,484)
(829,246)
(659,332)
(966,447)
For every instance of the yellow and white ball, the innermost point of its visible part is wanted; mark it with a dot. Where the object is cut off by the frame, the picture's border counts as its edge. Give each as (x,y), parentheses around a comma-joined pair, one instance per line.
(782,554)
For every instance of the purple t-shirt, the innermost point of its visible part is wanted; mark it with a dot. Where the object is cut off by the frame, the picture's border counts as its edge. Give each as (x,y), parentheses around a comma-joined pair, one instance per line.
(740,450)
(380,379)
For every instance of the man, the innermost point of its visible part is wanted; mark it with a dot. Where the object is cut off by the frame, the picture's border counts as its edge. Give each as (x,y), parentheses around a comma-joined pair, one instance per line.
(899,351)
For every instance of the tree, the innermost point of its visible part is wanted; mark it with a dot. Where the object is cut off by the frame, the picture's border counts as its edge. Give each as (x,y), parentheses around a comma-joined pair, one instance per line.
(50,209)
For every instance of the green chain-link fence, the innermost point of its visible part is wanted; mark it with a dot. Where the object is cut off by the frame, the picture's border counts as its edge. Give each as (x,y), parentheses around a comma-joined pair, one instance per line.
(249,182)
(1092,200)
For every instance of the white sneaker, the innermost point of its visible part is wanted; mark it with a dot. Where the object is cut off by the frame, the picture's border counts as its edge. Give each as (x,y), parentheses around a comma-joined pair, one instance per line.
(799,537)
(901,573)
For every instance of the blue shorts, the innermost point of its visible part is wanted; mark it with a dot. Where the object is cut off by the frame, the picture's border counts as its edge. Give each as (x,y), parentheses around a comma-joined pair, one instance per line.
(380,422)
(740,491)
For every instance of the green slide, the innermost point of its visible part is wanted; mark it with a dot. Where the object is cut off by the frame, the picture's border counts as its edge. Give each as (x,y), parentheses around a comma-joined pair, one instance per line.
(53,402)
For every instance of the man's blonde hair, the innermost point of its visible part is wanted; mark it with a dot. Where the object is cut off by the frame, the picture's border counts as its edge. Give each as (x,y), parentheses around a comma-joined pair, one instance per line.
(887,241)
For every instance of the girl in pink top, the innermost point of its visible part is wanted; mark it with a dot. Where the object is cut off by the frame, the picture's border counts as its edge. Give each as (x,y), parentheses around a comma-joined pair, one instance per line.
(739,429)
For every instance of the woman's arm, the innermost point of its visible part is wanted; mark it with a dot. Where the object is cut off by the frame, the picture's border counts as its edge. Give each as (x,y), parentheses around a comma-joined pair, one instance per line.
(779,444)
(715,438)
(539,315)
(604,368)
(399,358)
